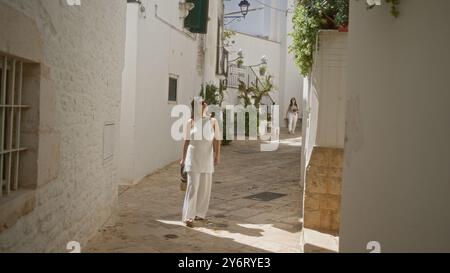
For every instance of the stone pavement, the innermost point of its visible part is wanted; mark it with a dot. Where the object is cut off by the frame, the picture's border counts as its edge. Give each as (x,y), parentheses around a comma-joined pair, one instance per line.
(148,217)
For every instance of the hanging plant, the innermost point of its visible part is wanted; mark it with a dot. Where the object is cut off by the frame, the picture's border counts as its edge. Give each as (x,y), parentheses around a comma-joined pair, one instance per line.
(342,12)
(262,70)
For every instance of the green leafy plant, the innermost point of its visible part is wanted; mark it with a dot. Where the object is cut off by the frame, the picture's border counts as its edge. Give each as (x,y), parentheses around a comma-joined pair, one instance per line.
(306,26)
(252,96)
(239,62)
(245,94)
(342,12)
(262,70)
(210,94)
(259,91)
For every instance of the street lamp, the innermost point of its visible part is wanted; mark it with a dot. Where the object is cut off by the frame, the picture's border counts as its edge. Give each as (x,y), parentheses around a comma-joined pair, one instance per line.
(244,5)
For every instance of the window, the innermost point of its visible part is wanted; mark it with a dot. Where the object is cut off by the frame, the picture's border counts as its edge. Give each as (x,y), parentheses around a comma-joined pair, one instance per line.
(11,108)
(173,88)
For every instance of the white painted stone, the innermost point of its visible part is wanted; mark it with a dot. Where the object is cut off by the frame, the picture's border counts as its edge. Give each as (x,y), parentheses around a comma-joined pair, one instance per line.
(80,50)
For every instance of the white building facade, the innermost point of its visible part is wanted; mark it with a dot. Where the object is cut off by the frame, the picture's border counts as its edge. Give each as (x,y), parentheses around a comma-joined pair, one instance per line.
(60,183)
(397,154)
(265,32)
(165,65)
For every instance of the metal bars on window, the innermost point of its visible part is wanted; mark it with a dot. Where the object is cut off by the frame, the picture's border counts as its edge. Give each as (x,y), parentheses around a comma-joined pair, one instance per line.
(11,81)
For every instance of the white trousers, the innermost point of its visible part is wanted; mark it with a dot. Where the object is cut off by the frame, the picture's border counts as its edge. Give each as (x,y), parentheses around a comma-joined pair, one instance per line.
(198,193)
(292,121)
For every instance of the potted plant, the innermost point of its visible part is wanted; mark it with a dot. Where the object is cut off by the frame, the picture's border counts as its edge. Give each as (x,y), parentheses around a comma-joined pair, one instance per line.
(262,70)
(239,63)
(341,17)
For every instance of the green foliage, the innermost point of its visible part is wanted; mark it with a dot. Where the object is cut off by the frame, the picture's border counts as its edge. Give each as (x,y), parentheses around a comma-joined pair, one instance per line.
(245,93)
(262,70)
(239,62)
(259,91)
(306,27)
(252,96)
(212,94)
(342,11)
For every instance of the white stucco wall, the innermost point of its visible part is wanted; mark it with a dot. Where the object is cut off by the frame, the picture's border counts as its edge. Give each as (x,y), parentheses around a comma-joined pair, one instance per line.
(287,79)
(291,81)
(323,99)
(330,82)
(128,98)
(80,51)
(397,154)
(163,49)
(253,49)
(310,104)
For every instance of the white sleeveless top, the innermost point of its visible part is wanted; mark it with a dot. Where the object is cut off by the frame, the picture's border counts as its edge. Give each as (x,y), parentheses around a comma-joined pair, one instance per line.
(200,152)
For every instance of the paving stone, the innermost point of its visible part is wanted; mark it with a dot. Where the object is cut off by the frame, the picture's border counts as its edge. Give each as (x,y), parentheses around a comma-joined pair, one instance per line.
(149,214)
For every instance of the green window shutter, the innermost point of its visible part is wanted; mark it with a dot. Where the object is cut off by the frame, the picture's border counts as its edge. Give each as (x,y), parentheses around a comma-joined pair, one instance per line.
(197,20)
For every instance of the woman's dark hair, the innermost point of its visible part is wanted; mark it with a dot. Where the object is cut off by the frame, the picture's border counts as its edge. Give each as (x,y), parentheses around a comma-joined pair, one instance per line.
(192,107)
(292,104)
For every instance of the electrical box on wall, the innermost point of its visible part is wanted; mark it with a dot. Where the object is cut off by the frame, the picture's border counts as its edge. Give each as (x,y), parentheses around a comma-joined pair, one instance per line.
(197,20)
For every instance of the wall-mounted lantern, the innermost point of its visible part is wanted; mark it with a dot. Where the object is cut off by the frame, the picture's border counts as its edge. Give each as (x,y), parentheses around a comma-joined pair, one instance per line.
(244,5)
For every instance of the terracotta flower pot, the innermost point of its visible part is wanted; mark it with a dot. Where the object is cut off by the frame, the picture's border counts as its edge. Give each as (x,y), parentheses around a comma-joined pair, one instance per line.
(343,28)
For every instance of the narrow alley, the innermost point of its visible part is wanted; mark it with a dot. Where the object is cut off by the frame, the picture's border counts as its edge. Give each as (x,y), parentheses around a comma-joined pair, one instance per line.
(255,207)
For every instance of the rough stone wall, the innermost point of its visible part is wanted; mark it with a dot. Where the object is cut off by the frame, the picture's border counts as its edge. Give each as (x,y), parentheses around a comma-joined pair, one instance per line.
(81,58)
(323,190)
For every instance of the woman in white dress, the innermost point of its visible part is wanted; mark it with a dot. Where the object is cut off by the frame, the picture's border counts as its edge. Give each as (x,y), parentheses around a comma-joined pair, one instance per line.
(201,152)
(292,116)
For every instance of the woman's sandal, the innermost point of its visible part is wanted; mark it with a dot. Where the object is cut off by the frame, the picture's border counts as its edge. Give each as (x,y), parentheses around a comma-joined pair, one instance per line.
(199,219)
